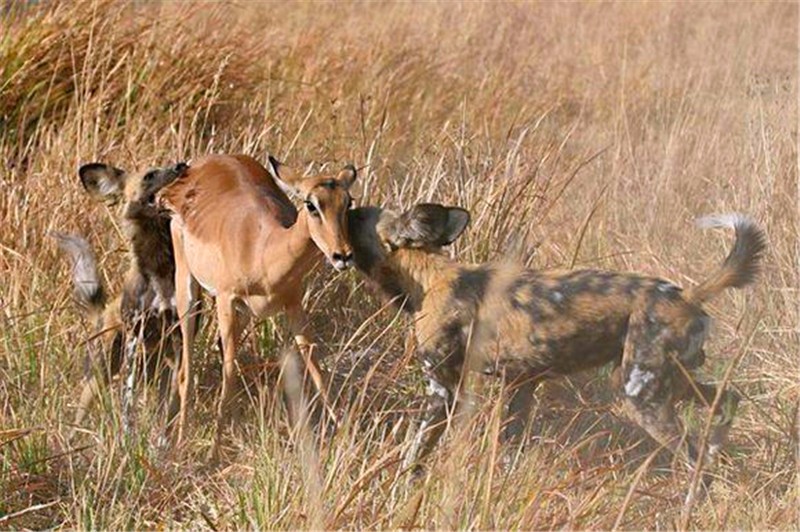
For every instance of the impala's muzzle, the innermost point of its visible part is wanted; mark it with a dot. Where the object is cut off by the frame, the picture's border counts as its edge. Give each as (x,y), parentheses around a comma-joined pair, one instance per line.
(342,261)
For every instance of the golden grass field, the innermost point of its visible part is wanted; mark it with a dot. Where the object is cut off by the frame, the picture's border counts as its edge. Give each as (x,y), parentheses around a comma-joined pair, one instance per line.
(576,134)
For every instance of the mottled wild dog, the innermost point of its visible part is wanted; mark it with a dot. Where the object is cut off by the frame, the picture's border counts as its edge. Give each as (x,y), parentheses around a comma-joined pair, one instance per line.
(237,234)
(143,314)
(533,325)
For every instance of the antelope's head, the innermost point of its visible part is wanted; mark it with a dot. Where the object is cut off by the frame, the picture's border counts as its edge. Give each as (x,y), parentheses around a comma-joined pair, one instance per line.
(326,200)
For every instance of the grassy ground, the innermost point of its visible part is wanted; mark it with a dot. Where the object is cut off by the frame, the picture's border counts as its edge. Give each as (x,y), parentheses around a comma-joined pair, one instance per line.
(575,134)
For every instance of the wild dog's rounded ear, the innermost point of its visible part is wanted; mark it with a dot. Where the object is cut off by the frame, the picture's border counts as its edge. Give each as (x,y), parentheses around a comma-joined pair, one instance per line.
(284,177)
(457,222)
(180,168)
(102,181)
(347,176)
(426,224)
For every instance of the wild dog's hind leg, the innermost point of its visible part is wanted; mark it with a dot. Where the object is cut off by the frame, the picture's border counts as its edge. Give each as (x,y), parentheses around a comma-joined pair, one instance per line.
(518,415)
(648,385)
(110,359)
(724,413)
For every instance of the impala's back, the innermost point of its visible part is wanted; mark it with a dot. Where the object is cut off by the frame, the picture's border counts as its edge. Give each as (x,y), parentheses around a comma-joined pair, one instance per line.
(232,208)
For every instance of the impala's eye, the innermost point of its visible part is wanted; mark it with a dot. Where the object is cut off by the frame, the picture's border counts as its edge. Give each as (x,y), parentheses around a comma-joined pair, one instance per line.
(312,208)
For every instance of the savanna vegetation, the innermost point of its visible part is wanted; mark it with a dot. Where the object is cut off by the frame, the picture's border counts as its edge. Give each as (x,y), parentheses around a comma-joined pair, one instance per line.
(576,134)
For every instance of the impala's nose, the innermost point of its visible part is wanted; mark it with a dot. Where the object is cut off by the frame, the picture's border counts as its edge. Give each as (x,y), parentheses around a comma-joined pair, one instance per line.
(342,261)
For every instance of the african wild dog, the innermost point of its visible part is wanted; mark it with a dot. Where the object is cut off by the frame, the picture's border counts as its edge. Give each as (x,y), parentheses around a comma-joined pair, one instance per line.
(145,311)
(533,325)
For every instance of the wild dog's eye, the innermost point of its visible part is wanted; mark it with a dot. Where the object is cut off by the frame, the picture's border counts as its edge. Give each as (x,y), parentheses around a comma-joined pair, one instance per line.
(149,176)
(312,208)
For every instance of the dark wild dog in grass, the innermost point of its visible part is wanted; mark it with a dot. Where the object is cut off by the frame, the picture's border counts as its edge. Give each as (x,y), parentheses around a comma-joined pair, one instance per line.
(144,314)
(533,325)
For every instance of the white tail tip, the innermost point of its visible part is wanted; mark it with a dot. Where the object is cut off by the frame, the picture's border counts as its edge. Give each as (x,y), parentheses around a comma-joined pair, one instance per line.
(732,219)
(84,266)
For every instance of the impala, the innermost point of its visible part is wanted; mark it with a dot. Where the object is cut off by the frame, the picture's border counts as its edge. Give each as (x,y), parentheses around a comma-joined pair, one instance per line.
(237,235)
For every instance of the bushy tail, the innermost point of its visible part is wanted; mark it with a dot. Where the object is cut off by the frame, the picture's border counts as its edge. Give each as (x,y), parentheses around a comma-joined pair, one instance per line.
(89,291)
(742,264)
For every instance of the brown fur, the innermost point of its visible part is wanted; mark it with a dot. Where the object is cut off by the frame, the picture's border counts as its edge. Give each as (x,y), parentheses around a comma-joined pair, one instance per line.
(145,309)
(237,234)
(533,325)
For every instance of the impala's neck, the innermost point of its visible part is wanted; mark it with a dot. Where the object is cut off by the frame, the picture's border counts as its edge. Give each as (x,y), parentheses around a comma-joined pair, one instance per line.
(296,255)
(413,275)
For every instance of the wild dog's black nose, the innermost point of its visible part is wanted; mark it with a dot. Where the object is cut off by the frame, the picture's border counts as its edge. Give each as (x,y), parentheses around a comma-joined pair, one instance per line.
(343,258)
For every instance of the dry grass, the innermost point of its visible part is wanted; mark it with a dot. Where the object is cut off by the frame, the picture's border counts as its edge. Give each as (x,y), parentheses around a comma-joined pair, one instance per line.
(576,134)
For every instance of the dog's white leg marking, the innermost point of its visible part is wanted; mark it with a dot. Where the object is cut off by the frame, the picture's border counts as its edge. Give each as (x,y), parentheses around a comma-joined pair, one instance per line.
(637,380)
(129,393)
(438,399)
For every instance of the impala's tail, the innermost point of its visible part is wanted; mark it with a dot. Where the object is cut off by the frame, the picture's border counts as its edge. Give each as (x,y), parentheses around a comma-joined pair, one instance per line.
(741,266)
(89,291)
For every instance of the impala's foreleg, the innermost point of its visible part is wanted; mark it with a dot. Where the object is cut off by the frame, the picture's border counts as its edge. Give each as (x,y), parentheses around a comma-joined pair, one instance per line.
(298,324)
(187,293)
(228,333)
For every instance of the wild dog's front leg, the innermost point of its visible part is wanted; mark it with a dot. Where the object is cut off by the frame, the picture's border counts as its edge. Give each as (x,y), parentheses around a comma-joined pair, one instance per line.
(134,337)
(441,402)
(298,324)
(164,367)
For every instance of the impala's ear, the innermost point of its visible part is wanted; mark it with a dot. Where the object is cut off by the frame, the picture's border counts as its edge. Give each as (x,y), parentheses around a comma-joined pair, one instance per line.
(347,176)
(284,177)
(425,225)
(102,181)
